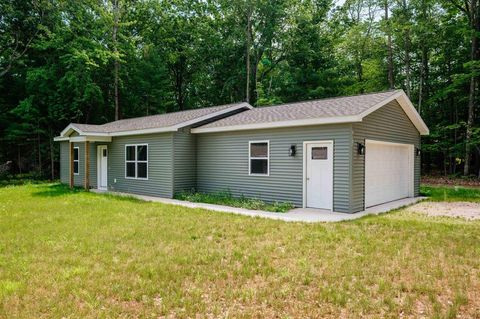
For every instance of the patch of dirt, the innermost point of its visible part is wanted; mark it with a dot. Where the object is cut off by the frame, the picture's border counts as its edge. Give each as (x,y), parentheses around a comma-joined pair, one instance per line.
(465,210)
(450,181)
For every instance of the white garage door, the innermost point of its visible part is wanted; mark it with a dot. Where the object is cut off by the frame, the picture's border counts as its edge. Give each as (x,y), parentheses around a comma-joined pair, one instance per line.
(388,172)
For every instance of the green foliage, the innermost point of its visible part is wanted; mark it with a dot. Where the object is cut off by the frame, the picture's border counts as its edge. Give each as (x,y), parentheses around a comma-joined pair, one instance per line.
(226,198)
(57,64)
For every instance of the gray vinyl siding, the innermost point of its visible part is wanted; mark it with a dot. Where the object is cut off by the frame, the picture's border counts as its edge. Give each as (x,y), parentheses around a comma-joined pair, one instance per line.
(389,124)
(222,163)
(64,167)
(160,165)
(184,173)
(79,179)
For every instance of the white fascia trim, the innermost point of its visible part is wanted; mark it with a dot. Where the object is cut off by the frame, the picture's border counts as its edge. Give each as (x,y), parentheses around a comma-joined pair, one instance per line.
(306,122)
(61,138)
(145,131)
(90,138)
(407,107)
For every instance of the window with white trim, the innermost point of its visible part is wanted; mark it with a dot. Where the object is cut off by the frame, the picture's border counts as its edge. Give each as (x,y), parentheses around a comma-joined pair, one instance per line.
(76,161)
(259,157)
(136,161)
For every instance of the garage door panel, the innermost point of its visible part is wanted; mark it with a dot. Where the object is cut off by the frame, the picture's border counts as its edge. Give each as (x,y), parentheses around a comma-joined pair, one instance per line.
(388,172)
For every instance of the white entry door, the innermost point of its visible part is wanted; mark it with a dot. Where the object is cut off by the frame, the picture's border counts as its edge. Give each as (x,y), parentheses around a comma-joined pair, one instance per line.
(388,172)
(319,174)
(102,162)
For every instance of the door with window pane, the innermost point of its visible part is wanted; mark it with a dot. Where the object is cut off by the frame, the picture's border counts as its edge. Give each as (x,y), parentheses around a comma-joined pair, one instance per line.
(319,175)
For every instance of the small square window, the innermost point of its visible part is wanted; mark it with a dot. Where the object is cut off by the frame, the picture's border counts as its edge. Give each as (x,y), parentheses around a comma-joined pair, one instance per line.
(259,150)
(319,153)
(142,153)
(142,170)
(259,166)
(130,153)
(131,169)
(75,167)
(75,154)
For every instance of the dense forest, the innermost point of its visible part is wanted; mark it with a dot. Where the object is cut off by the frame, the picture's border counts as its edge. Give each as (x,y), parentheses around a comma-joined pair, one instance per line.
(95,61)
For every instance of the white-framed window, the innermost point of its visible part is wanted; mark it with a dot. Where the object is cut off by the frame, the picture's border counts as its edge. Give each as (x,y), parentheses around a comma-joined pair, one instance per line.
(136,161)
(76,160)
(259,158)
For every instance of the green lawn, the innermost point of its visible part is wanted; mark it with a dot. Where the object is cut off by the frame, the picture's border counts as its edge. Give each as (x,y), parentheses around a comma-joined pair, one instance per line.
(451,193)
(74,254)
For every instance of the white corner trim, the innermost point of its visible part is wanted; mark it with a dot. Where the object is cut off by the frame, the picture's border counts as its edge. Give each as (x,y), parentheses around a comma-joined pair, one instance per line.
(305,122)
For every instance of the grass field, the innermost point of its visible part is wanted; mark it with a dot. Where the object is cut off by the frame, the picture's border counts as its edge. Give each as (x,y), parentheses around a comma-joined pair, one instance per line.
(451,193)
(74,254)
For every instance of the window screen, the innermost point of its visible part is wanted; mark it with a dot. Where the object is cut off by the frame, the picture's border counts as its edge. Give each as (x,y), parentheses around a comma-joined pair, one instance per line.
(319,153)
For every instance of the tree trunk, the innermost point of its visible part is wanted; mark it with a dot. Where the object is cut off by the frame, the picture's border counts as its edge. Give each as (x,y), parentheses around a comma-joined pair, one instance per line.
(407,49)
(116,65)
(407,63)
(423,86)
(391,78)
(474,20)
(19,159)
(254,73)
(39,151)
(247,56)
(52,161)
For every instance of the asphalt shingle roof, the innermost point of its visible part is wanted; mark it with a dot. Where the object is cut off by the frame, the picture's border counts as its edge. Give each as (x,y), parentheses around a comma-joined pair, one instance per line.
(153,121)
(330,107)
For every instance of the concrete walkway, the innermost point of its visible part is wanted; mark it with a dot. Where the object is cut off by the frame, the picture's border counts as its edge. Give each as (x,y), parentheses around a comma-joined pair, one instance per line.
(307,215)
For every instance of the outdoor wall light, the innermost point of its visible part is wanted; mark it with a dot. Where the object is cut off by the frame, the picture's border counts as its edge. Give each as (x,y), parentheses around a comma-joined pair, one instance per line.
(360,149)
(418,151)
(292,150)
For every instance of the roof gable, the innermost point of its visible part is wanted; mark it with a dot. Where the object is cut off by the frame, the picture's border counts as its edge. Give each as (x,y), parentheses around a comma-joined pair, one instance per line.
(168,122)
(326,111)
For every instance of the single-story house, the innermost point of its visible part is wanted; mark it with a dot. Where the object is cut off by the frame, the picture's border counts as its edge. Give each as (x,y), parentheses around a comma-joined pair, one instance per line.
(340,154)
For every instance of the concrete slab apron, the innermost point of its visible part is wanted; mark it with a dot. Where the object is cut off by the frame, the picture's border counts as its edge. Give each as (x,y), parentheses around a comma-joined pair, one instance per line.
(306,215)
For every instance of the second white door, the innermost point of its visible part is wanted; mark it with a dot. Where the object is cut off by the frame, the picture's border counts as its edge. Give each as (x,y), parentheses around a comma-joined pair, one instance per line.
(319,175)
(102,162)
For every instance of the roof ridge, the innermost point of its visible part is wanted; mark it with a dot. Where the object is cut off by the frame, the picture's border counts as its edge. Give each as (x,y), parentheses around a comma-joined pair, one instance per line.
(176,112)
(329,98)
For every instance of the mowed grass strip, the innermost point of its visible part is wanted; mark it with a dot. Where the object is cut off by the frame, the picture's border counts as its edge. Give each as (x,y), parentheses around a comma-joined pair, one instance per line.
(451,193)
(75,254)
